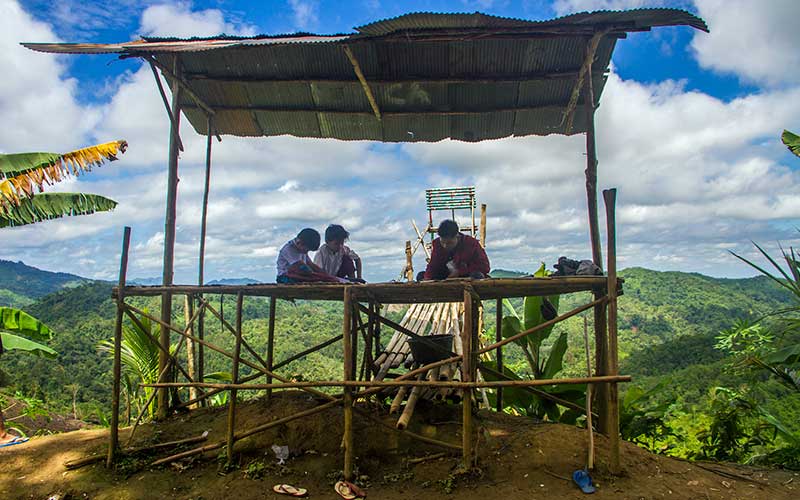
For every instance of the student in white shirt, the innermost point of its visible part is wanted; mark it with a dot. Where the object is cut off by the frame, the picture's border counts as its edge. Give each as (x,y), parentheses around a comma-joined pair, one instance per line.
(336,258)
(294,265)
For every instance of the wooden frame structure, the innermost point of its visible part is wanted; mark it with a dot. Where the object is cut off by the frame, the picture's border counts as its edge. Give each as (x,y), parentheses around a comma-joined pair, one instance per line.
(419,77)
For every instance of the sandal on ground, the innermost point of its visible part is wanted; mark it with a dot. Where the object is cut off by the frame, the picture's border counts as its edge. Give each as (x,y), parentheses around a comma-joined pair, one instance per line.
(583,480)
(349,491)
(16,440)
(288,489)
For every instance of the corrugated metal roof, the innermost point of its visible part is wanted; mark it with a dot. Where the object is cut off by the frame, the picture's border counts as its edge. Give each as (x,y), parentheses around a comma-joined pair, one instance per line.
(468,77)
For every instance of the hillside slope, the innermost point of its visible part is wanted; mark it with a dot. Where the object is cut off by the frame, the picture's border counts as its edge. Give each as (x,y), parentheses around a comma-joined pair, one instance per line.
(30,282)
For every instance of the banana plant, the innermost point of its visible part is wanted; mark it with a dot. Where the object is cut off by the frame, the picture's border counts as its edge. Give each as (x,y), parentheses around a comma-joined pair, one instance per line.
(20,331)
(792,141)
(543,364)
(22,174)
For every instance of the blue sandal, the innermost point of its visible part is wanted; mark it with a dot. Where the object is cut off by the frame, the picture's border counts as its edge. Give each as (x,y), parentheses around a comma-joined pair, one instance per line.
(16,440)
(583,480)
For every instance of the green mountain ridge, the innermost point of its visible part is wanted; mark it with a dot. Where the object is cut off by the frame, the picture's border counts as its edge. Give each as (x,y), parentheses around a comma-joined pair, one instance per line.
(31,283)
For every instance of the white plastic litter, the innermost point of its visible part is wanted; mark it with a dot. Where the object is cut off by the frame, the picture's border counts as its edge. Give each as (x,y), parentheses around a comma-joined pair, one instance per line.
(281,453)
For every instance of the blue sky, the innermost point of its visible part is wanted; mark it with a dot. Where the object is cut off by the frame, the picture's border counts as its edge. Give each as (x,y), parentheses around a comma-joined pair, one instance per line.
(689,128)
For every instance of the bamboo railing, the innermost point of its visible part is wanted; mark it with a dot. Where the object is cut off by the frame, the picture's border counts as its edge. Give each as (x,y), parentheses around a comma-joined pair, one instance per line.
(366,364)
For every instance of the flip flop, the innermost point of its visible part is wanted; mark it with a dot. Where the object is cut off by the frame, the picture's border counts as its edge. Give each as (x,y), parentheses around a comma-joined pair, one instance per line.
(288,489)
(16,440)
(583,480)
(349,491)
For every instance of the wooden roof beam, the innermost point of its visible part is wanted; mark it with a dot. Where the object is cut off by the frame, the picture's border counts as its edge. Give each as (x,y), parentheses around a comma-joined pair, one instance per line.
(357,68)
(591,50)
(183,84)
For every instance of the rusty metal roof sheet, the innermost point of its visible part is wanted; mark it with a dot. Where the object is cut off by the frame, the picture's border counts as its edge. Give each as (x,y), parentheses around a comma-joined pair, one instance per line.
(468,77)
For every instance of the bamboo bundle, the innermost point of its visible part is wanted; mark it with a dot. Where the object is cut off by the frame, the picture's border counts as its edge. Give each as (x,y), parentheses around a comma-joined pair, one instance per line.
(421,319)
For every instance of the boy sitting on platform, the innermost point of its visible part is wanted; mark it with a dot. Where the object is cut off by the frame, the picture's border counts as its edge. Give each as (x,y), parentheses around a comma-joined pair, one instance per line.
(294,266)
(456,255)
(336,258)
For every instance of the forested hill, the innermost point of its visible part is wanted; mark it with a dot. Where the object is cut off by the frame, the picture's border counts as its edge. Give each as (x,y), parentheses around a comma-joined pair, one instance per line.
(668,321)
(26,282)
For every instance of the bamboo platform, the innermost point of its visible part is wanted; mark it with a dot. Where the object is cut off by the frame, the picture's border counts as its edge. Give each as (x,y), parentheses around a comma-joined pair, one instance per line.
(394,292)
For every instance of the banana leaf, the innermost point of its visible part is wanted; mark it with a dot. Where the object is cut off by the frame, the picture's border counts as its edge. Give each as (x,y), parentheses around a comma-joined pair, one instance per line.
(533,315)
(22,323)
(24,172)
(11,342)
(48,206)
(792,141)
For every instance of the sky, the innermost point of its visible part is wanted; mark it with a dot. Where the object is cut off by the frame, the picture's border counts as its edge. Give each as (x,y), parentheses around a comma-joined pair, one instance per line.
(689,129)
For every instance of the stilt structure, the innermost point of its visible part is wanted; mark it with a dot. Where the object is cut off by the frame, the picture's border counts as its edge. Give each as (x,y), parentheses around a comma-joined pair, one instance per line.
(411,78)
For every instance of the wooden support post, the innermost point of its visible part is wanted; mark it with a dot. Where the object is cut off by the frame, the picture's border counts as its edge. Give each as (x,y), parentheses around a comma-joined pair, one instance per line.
(467,369)
(601,364)
(409,262)
(498,336)
(235,376)
(610,197)
(169,235)
(191,365)
(113,443)
(483,225)
(347,441)
(201,262)
(591,173)
(273,302)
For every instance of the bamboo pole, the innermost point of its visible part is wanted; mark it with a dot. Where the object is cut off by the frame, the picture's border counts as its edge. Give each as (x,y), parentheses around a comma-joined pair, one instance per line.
(610,197)
(188,303)
(113,442)
(401,382)
(165,100)
(347,440)
(402,423)
(235,376)
(409,262)
(169,231)
(306,352)
(483,225)
(247,433)
(589,430)
(81,462)
(421,240)
(273,302)
(498,336)
(201,261)
(466,376)
(364,85)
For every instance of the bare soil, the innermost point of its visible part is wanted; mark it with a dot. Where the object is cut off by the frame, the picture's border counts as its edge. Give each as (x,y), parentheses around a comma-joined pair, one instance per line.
(517,459)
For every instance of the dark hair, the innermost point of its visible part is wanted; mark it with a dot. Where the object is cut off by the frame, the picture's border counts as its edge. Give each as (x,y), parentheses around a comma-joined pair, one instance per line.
(310,238)
(335,232)
(447,228)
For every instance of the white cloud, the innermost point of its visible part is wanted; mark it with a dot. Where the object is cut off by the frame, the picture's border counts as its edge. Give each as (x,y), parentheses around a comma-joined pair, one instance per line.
(37,102)
(305,13)
(564,7)
(180,20)
(758,41)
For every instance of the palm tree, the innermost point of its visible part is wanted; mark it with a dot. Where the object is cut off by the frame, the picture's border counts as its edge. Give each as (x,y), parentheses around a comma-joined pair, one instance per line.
(22,174)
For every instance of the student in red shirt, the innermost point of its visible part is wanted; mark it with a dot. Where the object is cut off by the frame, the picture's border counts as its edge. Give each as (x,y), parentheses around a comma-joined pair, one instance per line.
(456,255)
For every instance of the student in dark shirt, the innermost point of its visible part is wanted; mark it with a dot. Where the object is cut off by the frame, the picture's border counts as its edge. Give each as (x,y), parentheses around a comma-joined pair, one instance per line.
(456,255)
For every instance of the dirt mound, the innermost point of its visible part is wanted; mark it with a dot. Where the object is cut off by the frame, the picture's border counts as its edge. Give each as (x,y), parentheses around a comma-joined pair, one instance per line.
(35,421)
(517,459)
